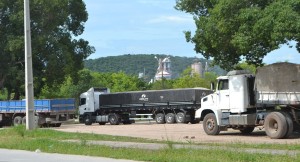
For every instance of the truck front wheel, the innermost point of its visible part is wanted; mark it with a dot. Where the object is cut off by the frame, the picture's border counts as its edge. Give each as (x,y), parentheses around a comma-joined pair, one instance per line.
(276,125)
(87,119)
(210,124)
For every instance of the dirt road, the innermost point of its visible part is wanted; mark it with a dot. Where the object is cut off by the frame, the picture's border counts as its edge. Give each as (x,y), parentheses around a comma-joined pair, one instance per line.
(177,132)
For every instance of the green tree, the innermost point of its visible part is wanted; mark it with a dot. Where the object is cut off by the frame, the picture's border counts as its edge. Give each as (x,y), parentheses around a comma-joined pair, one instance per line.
(161,84)
(189,80)
(56,52)
(120,82)
(229,30)
(245,66)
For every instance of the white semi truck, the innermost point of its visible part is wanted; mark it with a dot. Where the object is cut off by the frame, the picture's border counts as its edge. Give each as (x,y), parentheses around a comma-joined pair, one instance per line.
(98,105)
(243,101)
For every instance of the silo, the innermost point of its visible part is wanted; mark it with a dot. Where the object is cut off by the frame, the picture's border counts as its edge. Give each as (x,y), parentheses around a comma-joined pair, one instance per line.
(197,68)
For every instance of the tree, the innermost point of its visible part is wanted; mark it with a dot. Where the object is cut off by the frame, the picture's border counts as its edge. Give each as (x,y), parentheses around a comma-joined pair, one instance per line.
(161,84)
(56,53)
(231,30)
(190,81)
(245,66)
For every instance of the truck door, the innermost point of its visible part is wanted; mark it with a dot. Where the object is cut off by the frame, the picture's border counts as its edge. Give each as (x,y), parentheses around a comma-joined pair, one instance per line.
(223,94)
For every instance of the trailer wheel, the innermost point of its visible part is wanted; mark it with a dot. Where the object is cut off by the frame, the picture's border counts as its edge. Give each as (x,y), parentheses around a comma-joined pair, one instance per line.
(87,119)
(114,119)
(17,120)
(290,124)
(160,118)
(276,125)
(247,130)
(210,124)
(102,123)
(180,117)
(170,118)
(24,120)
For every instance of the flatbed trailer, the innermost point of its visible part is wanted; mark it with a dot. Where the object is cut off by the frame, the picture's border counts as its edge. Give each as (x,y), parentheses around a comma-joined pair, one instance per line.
(50,112)
(165,106)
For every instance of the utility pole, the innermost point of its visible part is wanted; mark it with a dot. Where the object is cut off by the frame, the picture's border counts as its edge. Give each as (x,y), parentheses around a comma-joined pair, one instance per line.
(28,69)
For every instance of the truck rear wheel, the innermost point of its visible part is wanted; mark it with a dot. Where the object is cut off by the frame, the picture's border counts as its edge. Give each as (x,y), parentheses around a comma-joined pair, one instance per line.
(210,124)
(114,119)
(290,124)
(276,125)
(170,118)
(17,120)
(160,118)
(180,117)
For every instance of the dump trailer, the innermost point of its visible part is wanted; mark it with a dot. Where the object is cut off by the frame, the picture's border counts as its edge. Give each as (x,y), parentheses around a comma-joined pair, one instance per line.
(98,105)
(270,99)
(48,112)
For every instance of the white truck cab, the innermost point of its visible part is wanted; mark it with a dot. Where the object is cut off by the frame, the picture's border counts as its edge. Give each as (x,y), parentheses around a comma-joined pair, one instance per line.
(89,101)
(226,107)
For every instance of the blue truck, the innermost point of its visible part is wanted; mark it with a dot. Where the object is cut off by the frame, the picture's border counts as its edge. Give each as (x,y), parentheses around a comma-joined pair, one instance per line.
(48,112)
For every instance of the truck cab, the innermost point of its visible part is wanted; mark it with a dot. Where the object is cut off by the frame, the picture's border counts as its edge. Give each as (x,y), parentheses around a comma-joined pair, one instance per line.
(230,104)
(89,102)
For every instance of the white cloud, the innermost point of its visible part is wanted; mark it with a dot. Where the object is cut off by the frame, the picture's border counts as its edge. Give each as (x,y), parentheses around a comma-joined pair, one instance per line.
(171,19)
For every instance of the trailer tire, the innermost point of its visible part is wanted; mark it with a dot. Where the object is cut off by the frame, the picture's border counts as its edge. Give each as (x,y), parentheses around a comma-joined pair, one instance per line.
(102,123)
(87,119)
(180,117)
(247,130)
(24,120)
(17,120)
(114,119)
(276,125)
(160,118)
(210,124)
(170,118)
(290,124)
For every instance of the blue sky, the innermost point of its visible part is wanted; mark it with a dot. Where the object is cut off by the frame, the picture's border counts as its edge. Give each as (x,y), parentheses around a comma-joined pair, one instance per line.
(117,27)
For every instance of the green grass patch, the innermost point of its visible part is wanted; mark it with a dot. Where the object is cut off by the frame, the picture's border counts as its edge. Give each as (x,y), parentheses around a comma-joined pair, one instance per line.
(48,140)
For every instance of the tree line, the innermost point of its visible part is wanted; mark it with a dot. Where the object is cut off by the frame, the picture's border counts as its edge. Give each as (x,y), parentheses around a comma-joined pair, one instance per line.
(146,63)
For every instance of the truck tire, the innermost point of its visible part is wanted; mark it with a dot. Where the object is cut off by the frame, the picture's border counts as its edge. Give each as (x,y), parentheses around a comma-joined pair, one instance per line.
(290,124)
(247,130)
(276,125)
(160,118)
(180,117)
(210,124)
(114,119)
(170,118)
(17,120)
(24,120)
(88,120)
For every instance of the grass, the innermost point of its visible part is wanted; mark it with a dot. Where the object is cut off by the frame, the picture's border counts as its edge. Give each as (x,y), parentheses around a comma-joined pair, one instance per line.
(48,140)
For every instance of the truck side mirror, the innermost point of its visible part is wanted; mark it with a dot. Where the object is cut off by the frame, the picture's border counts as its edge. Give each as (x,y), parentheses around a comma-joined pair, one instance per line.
(212,86)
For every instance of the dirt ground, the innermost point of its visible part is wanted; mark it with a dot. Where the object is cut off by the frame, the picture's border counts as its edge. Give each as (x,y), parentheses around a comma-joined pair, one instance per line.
(178,133)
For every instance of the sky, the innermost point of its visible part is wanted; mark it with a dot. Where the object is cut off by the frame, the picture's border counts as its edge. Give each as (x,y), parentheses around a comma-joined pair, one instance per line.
(118,27)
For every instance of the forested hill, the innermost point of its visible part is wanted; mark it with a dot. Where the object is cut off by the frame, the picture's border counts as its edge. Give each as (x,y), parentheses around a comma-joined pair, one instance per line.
(138,63)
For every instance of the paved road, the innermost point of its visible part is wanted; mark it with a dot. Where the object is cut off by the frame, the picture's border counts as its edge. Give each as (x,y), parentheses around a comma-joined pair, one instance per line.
(27,156)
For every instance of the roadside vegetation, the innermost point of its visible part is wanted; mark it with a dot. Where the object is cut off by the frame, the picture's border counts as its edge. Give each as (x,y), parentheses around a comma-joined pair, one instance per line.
(47,140)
